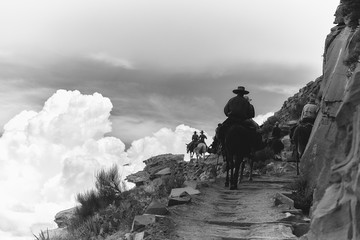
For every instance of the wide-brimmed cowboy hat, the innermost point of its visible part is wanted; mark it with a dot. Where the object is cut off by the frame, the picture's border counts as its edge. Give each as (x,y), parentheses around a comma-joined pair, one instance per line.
(240,89)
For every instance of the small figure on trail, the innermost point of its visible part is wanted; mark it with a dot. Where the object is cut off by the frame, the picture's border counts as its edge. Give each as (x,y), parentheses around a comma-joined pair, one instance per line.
(276,131)
(276,144)
(195,137)
(309,112)
(292,124)
(202,137)
(194,141)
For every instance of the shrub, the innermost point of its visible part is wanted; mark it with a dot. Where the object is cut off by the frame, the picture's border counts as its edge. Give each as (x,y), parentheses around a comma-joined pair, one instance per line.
(42,235)
(108,190)
(108,185)
(89,204)
(302,194)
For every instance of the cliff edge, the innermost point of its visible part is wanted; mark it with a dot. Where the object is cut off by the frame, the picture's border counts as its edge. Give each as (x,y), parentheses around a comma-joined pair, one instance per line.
(331,160)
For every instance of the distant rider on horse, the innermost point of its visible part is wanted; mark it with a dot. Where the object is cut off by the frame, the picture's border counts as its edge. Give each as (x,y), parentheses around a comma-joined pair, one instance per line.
(195,137)
(202,137)
(194,140)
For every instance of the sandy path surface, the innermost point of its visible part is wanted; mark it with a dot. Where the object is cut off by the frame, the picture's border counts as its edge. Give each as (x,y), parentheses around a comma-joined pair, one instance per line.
(246,213)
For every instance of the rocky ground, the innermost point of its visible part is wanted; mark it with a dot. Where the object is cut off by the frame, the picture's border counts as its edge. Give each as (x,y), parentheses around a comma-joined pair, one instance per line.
(247,213)
(257,210)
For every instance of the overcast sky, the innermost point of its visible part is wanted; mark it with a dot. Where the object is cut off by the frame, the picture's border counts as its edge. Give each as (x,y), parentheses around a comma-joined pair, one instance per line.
(160,62)
(138,76)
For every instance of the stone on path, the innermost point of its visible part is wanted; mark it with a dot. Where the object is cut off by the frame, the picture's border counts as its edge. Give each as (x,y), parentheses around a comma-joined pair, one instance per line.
(282,199)
(156,208)
(176,192)
(183,198)
(141,221)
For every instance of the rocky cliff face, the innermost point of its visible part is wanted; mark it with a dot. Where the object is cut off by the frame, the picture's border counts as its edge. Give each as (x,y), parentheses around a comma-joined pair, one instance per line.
(292,107)
(331,161)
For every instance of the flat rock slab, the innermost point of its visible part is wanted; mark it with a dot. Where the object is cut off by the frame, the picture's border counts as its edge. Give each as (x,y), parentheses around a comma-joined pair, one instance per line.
(156,208)
(282,199)
(141,221)
(165,171)
(177,192)
(179,200)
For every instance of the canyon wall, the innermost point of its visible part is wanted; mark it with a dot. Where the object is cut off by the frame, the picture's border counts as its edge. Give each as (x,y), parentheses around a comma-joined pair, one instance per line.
(331,160)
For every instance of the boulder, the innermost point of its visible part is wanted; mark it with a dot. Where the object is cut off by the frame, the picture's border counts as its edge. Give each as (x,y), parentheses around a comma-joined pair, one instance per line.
(62,218)
(184,198)
(156,208)
(139,236)
(140,221)
(281,199)
(177,192)
(139,178)
(160,162)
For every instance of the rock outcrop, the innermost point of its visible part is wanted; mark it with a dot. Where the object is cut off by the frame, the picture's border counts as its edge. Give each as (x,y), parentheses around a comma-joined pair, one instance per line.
(331,160)
(62,219)
(174,164)
(292,107)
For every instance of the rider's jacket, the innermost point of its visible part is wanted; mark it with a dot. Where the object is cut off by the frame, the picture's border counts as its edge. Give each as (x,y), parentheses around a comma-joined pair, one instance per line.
(202,138)
(240,108)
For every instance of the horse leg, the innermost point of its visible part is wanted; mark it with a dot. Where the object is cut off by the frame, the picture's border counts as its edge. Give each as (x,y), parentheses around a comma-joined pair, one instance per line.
(242,166)
(227,172)
(235,178)
(251,163)
(227,176)
(232,175)
(297,159)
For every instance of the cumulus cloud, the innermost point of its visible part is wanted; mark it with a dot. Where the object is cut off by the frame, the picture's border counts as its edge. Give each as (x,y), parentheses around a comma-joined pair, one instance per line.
(261,118)
(51,155)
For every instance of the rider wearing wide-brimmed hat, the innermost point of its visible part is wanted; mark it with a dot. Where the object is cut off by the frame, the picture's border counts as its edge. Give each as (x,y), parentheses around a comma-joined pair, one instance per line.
(202,137)
(239,108)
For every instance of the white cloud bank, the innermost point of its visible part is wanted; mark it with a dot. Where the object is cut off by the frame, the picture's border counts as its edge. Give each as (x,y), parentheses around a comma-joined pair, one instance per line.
(261,118)
(48,157)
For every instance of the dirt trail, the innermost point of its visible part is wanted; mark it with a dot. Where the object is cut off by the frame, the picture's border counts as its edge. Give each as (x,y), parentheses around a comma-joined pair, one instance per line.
(246,213)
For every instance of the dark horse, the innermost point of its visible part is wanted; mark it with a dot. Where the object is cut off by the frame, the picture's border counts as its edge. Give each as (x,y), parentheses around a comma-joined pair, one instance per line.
(239,143)
(300,139)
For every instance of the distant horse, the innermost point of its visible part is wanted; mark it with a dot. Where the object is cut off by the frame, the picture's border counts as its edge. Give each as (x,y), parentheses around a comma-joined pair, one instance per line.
(197,148)
(239,142)
(190,149)
(200,150)
(300,138)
